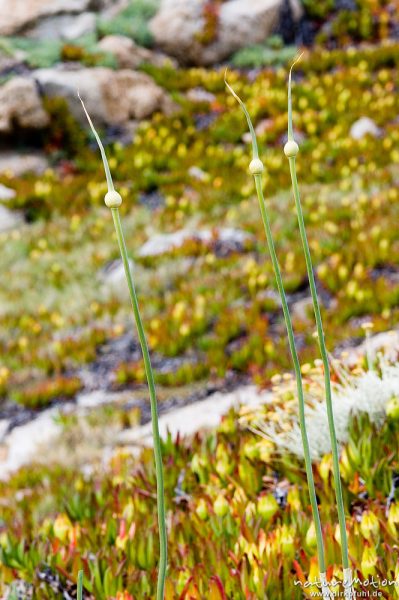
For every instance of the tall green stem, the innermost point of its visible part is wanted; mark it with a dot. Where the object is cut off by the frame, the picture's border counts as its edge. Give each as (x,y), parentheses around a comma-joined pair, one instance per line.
(326,367)
(291,150)
(113,200)
(298,375)
(256,169)
(154,409)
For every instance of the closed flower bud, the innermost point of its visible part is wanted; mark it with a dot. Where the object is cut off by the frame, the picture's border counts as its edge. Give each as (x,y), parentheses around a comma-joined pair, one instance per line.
(267,507)
(369,525)
(287,541)
(221,506)
(256,167)
(392,408)
(325,467)
(113,199)
(202,510)
(62,527)
(393,517)
(291,149)
(369,561)
(311,540)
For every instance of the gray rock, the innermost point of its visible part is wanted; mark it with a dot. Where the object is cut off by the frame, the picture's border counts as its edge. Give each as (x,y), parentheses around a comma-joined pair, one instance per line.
(198,174)
(17,15)
(200,95)
(179,23)
(16,165)
(162,243)
(6,193)
(364,126)
(113,275)
(111,97)
(9,219)
(21,104)
(203,415)
(63,27)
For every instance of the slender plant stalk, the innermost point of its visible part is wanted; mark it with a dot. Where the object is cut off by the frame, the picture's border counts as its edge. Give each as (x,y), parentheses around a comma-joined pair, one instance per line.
(256,168)
(80,586)
(113,200)
(291,150)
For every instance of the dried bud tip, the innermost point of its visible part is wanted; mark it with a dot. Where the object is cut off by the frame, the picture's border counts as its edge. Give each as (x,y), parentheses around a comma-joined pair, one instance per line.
(291,149)
(113,199)
(256,167)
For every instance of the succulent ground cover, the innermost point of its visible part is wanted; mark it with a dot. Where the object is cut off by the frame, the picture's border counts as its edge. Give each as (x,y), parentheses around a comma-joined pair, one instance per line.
(211,304)
(239,518)
(238,510)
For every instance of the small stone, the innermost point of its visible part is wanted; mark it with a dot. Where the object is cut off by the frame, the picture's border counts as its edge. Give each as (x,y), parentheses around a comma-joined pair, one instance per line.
(6,193)
(21,105)
(9,219)
(197,173)
(200,95)
(15,165)
(364,126)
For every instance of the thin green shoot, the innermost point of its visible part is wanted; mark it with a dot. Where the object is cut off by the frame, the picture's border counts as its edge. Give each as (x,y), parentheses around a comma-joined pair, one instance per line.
(291,150)
(256,168)
(113,200)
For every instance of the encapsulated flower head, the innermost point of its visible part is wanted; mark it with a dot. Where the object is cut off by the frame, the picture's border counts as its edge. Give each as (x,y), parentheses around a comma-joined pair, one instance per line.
(113,199)
(256,167)
(291,149)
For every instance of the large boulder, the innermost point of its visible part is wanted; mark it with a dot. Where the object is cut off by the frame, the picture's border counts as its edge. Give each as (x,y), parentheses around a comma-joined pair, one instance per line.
(111,97)
(21,105)
(179,25)
(16,15)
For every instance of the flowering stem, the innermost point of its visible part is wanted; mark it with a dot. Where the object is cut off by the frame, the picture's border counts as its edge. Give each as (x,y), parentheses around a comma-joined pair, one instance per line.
(326,367)
(298,375)
(113,200)
(256,169)
(291,150)
(154,409)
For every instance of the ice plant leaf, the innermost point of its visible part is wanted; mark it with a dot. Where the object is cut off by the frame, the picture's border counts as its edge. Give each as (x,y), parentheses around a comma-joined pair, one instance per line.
(255,150)
(80,586)
(110,183)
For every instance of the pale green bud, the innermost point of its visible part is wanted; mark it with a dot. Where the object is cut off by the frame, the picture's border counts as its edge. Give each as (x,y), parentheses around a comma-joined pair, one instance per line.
(369,525)
(267,506)
(113,199)
(256,167)
(221,506)
(291,149)
(392,408)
